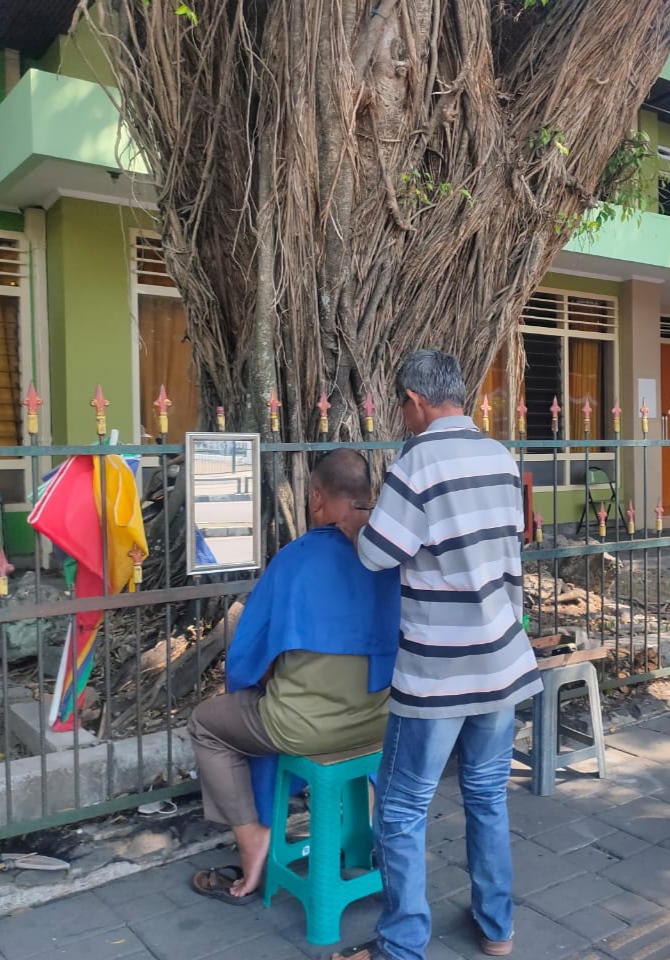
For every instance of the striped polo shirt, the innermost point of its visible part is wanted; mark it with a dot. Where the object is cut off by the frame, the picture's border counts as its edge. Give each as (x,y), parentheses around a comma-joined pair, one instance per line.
(450,514)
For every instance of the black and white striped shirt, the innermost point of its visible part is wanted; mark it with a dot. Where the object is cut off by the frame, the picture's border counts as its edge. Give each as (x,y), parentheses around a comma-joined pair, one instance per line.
(450,515)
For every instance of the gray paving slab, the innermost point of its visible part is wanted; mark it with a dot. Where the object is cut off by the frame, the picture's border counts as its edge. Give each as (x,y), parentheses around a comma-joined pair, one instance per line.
(450,827)
(530,815)
(588,860)
(594,923)
(647,818)
(646,874)
(646,941)
(575,835)
(111,945)
(55,924)
(536,868)
(641,742)
(536,937)
(621,844)
(631,908)
(564,898)
(447,882)
(661,724)
(201,929)
(141,907)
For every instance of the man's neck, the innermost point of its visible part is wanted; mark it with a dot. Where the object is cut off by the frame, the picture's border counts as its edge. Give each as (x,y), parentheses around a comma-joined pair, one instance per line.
(444,410)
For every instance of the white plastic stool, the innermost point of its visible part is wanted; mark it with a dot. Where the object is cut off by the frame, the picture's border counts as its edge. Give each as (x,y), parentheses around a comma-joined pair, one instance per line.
(546,753)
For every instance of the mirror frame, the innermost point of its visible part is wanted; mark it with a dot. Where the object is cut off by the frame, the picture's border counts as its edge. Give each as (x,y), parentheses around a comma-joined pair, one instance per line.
(193,569)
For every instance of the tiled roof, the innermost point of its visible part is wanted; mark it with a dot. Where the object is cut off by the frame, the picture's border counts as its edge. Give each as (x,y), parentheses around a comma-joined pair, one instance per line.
(31,26)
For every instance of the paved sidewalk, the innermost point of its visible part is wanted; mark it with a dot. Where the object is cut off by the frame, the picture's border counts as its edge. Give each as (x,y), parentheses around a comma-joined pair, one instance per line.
(592,868)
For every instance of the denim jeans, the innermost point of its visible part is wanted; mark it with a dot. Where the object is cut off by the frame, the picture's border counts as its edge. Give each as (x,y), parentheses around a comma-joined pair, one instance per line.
(415,754)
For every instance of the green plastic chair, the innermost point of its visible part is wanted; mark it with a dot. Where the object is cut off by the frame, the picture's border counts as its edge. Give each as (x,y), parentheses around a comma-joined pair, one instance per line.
(597,477)
(340,835)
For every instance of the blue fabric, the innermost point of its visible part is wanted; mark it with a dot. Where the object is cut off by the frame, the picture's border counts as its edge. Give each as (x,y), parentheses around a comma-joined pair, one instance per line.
(203,555)
(315,596)
(416,750)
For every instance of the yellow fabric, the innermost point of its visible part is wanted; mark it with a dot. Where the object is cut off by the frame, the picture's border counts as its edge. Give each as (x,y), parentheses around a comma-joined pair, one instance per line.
(125,527)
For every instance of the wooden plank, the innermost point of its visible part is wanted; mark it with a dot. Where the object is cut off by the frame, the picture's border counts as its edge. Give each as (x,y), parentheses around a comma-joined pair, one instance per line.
(540,643)
(563,659)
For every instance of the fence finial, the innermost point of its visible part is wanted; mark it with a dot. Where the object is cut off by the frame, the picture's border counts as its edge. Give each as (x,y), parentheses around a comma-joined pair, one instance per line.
(369,407)
(539,520)
(221,419)
(274,404)
(555,410)
(602,521)
(522,410)
(5,569)
(659,511)
(323,407)
(630,513)
(644,416)
(162,404)
(137,556)
(486,409)
(100,404)
(616,415)
(586,410)
(32,402)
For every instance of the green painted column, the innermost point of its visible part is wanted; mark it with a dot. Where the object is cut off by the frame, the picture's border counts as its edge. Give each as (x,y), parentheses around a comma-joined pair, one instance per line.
(88,265)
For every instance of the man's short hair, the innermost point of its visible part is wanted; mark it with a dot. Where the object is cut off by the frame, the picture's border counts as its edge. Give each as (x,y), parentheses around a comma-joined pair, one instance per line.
(433,374)
(343,473)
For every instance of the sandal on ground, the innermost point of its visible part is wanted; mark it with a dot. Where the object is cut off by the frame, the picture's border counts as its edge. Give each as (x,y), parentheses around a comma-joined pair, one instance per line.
(374,952)
(216,883)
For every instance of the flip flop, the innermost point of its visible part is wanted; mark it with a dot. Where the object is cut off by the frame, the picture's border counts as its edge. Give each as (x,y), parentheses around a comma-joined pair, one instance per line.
(158,808)
(216,882)
(374,952)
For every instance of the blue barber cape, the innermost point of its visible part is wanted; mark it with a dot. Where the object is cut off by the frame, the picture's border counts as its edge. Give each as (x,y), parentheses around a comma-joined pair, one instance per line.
(315,596)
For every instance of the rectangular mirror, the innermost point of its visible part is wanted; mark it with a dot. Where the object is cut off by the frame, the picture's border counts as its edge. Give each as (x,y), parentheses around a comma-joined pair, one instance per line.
(223,503)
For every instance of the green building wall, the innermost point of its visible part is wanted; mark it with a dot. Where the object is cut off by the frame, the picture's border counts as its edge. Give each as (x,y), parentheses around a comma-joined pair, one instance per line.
(90,332)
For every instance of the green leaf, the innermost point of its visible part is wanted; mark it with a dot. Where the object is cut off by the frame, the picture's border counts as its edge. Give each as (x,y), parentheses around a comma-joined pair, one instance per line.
(183,10)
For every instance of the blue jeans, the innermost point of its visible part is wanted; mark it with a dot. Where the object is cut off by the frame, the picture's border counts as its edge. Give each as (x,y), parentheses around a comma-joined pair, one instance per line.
(415,754)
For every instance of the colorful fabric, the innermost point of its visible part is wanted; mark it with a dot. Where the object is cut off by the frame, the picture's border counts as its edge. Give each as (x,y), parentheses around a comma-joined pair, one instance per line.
(450,516)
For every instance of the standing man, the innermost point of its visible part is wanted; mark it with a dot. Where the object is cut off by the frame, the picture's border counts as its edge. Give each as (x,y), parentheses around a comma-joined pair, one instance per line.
(450,516)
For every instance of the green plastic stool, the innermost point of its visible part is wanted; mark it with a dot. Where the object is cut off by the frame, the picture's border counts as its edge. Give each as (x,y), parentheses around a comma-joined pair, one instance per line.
(340,833)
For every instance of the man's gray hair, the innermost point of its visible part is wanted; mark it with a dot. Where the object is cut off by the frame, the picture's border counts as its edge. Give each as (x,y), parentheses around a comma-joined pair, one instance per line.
(435,375)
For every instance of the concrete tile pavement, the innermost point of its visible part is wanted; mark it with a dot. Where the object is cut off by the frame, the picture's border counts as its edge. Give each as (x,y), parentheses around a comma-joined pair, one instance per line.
(592,867)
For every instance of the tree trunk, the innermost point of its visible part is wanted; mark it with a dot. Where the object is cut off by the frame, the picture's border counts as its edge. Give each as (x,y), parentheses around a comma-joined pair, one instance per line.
(340,183)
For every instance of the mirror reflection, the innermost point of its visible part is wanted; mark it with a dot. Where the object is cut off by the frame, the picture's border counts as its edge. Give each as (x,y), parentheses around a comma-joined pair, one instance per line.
(223,501)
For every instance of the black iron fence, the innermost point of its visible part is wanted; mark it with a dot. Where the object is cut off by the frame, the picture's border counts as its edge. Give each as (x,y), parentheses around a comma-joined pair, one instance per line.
(594,570)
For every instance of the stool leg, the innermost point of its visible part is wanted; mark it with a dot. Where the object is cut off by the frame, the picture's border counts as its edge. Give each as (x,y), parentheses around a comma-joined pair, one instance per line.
(548,737)
(277,851)
(536,752)
(356,829)
(324,908)
(597,720)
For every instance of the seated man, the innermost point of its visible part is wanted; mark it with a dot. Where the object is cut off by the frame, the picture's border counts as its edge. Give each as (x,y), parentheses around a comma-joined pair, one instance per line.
(324,629)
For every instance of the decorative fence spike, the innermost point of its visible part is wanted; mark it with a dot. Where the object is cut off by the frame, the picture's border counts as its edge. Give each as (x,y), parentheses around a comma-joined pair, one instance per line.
(137,556)
(587,410)
(555,410)
(5,569)
(616,417)
(602,521)
(162,405)
(274,404)
(486,409)
(644,416)
(32,402)
(539,520)
(659,511)
(100,404)
(220,419)
(369,407)
(630,513)
(323,407)
(522,410)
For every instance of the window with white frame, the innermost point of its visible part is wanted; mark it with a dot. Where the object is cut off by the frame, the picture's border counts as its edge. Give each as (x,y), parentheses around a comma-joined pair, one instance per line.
(570,342)
(13,271)
(163,355)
